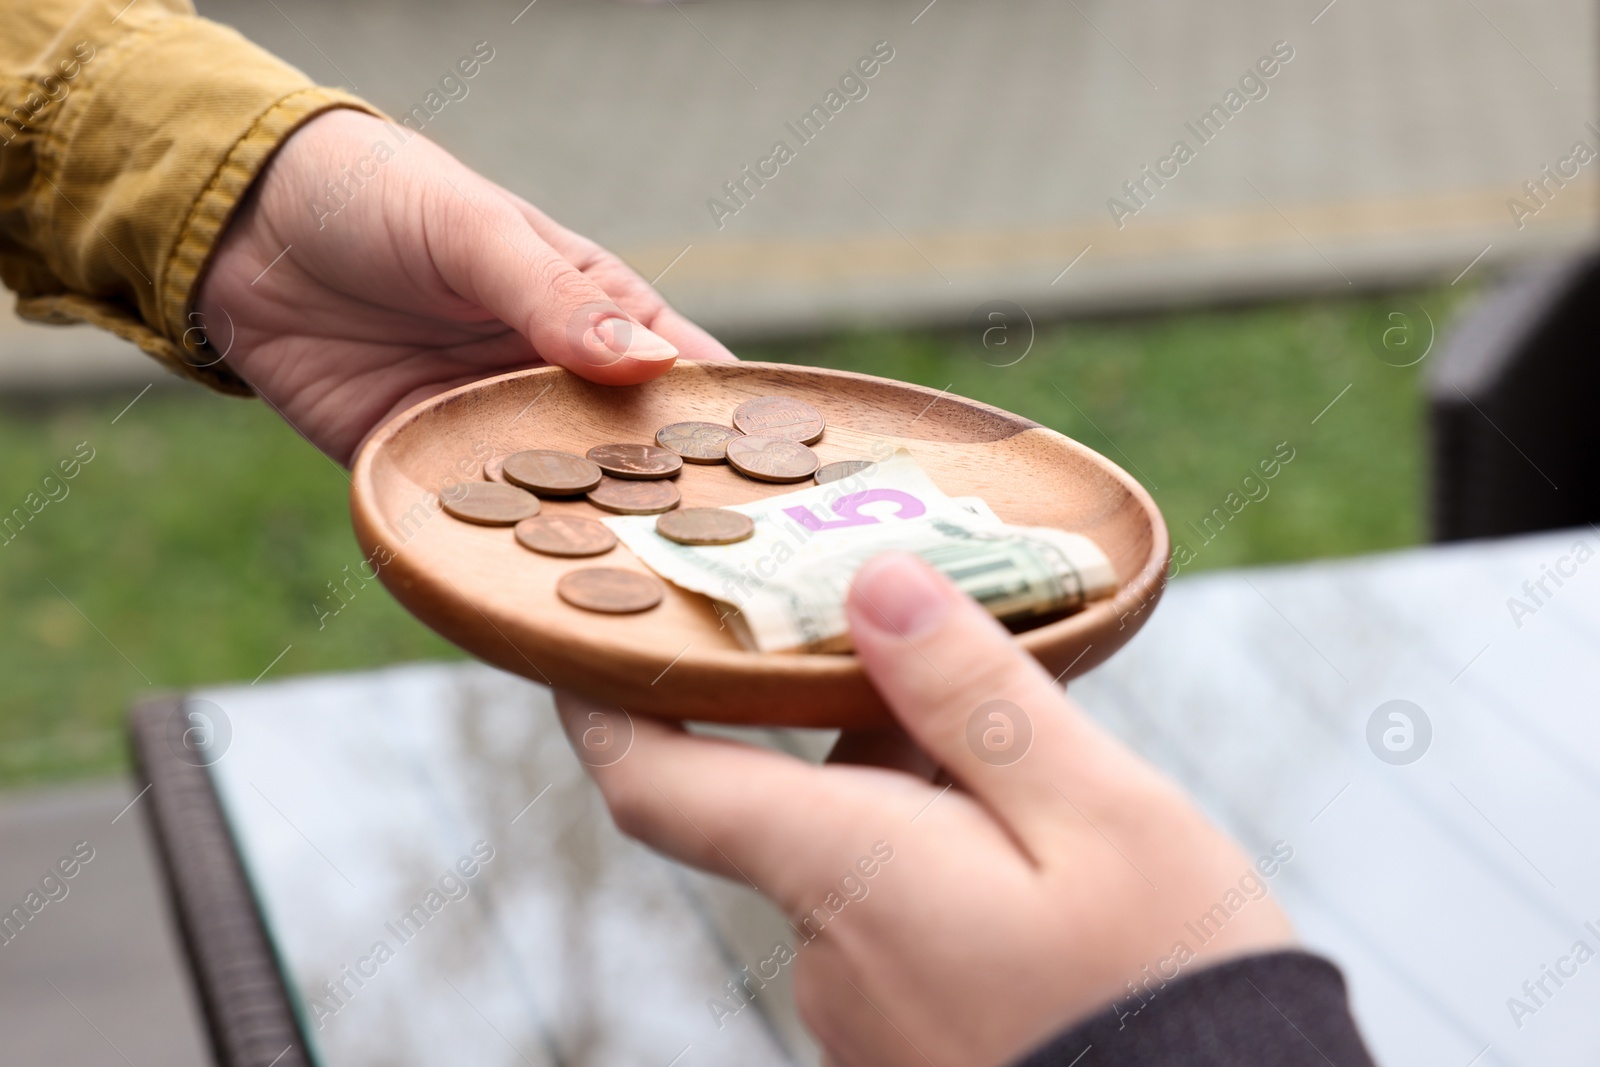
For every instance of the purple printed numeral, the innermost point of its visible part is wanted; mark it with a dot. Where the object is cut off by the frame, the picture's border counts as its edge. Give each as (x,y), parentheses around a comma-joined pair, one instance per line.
(849,507)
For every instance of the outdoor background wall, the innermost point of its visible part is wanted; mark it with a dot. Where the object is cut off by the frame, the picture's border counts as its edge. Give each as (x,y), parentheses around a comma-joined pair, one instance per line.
(981,159)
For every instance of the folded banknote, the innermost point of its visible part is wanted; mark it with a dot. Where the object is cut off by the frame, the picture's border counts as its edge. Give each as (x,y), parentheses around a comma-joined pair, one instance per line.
(784,588)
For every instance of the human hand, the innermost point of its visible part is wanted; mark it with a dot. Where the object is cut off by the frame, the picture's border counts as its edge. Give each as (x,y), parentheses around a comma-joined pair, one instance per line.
(1018,902)
(426,276)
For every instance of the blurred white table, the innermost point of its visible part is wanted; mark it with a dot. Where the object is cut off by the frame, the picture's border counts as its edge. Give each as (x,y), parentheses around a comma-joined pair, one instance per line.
(1440,885)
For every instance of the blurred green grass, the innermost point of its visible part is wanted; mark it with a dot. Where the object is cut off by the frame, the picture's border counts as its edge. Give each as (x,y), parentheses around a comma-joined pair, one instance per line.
(195,545)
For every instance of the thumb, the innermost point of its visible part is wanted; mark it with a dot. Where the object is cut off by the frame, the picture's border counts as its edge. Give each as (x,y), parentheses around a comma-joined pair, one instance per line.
(971,698)
(491,255)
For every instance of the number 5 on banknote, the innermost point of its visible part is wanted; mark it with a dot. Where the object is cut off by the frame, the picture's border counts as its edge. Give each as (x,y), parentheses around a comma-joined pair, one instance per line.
(849,508)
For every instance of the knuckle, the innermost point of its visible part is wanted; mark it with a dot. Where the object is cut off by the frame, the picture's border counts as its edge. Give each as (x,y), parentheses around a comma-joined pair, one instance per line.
(566,287)
(629,804)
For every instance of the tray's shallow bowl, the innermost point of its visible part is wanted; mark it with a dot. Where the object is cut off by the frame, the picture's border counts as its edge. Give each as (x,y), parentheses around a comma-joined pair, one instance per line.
(480,589)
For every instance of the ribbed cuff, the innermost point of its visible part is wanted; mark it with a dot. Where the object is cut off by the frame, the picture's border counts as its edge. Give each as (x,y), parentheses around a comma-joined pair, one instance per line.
(209,217)
(1286,1009)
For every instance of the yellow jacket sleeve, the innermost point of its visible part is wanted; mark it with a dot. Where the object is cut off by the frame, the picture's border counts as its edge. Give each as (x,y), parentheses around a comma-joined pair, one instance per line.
(129,132)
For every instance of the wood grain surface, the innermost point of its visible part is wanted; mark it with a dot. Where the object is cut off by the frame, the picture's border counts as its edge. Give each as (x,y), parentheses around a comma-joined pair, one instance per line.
(480,589)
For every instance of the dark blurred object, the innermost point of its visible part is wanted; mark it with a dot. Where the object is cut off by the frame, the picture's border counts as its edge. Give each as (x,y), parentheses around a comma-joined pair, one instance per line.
(248,1015)
(1514,434)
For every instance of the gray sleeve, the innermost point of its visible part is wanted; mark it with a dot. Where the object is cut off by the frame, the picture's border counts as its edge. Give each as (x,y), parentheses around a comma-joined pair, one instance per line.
(1285,1009)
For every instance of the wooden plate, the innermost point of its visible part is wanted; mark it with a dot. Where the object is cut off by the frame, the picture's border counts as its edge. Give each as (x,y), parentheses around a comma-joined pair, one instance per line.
(480,589)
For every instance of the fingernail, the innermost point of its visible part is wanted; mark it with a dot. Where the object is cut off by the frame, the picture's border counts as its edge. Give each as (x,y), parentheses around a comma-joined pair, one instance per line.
(625,338)
(899,594)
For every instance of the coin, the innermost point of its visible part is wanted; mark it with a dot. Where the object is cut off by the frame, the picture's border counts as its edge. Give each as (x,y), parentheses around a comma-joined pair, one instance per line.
(779,416)
(772,459)
(492,471)
(636,461)
(551,473)
(705,526)
(697,442)
(844,468)
(488,503)
(610,590)
(565,535)
(634,498)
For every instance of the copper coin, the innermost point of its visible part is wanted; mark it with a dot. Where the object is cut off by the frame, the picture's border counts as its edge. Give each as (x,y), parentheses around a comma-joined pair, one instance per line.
(844,468)
(492,470)
(610,590)
(634,498)
(565,535)
(488,503)
(697,442)
(779,416)
(705,526)
(772,459)
(636,461)
(551,473)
